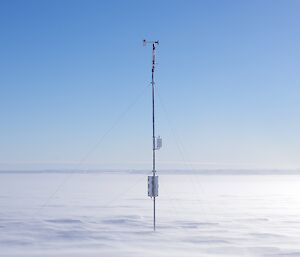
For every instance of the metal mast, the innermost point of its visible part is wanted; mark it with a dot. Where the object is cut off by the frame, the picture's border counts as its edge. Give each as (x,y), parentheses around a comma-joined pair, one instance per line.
(156,142)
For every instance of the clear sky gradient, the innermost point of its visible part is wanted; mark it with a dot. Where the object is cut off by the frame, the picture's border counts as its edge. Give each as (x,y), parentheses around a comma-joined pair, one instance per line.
(75,84)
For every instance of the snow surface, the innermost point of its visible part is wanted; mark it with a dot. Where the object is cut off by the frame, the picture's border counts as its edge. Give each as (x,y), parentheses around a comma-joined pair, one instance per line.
(109,214)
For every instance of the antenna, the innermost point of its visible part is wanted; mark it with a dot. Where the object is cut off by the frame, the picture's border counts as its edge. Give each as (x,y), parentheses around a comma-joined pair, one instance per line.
(156,142)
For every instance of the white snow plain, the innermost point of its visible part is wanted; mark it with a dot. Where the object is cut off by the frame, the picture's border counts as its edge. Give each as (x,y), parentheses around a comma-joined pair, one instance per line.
(109,214)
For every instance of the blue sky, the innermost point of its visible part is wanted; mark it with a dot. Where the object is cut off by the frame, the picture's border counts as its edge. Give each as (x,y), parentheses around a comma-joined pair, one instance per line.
(227,76)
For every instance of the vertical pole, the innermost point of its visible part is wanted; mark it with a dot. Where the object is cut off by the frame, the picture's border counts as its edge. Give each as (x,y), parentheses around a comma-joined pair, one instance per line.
(153,133)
